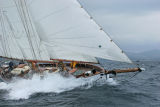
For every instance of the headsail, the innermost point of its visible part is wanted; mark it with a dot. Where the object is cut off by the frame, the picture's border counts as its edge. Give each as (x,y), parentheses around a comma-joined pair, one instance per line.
(66,27)
(56,29)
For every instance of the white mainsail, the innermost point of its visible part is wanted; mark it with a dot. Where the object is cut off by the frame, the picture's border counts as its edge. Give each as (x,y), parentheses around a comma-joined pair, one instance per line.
(16,11)
(58,29)
(66,27)
(9,45)
(30,50)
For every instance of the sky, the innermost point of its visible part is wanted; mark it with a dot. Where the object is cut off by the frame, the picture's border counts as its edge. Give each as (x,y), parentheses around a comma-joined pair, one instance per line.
(134,25)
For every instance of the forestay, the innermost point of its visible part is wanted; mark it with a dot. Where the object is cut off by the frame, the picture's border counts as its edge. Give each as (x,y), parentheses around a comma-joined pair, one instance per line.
(70,33)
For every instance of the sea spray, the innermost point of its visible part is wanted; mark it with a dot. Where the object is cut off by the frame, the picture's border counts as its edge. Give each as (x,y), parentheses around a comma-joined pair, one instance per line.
(51,83)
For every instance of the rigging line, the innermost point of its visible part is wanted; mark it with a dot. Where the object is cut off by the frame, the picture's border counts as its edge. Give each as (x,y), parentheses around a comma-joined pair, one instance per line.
(7,38)
(20,15)
(9,6)
(52,13)
(101,28)
(135,74)
(33,29)
(2,25)
(30,31)
(3,34)
(26,22)
(7,44)
(29,18)
(13,34)
(27,37)
(11,28)
(99,79)
(20,9)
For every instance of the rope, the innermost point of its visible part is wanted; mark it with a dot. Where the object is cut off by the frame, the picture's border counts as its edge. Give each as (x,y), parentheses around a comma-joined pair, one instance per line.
(7,38)
(4,39)
(32,29)
(27,26)
(13,35)
(98,79)
(126,80)
(23,17)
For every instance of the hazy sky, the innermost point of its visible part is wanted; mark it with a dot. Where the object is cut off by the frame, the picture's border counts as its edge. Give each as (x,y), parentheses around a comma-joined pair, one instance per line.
(133,24)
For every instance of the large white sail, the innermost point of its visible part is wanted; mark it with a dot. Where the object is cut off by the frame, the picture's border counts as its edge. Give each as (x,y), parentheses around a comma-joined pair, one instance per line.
(30,50)
(15,13)
(62,26)
(9,45)
(67,28)
(58,52)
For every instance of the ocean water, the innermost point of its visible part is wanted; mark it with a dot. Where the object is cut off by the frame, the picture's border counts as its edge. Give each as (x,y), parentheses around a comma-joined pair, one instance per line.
(125,90)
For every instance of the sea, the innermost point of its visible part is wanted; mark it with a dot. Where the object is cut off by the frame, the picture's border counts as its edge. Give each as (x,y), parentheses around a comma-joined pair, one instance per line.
(140,89)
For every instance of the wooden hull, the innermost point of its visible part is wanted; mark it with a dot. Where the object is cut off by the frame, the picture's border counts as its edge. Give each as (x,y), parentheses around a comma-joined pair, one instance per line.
(82,70)
(86,70)
(19,72)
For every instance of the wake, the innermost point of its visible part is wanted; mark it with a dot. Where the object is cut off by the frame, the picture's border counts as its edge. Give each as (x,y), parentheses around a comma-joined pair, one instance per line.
(51,83)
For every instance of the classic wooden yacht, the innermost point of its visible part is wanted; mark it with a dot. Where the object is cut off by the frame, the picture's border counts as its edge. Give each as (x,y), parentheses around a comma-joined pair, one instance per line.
(54,36)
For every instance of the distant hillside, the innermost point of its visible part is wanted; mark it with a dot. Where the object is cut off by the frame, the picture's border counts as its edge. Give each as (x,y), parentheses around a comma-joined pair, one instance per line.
(147,55)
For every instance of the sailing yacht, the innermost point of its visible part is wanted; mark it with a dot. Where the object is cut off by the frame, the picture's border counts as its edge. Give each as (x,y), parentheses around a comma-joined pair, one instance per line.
(57,35)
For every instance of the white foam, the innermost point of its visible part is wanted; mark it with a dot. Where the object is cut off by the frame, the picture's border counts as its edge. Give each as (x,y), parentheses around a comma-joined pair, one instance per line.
(23,88)
(111,81)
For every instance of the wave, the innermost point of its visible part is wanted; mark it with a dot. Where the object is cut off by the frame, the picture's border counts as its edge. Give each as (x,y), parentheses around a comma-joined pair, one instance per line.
(51,83)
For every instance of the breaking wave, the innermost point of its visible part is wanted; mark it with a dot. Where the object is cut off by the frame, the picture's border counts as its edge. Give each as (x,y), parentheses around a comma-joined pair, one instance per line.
(51,83)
